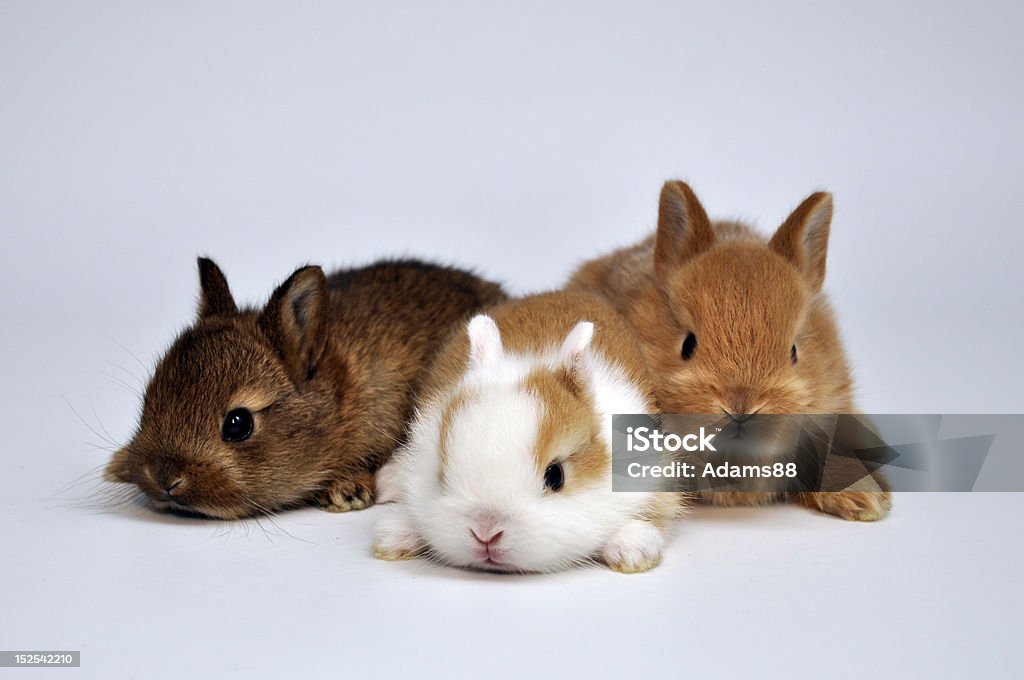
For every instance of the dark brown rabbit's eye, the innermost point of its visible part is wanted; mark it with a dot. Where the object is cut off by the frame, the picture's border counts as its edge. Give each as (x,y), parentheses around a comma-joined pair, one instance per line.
(792,354)
(554,477)
(689,346)
(238,425)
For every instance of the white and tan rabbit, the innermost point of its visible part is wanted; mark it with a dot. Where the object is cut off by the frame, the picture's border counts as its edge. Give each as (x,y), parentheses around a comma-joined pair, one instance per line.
(731,323)
(508,463)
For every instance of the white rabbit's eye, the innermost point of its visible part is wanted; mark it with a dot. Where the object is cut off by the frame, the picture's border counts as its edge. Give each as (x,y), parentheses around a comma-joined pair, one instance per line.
(554,477)
(689,346)
(792,354)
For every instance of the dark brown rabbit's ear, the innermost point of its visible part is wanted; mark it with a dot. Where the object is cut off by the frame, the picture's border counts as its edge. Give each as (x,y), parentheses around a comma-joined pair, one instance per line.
(684,229)
(118,469)
(295,321)
(803,237)
(214,294)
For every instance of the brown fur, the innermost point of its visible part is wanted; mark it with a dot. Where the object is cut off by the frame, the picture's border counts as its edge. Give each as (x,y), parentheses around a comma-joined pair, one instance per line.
(748,300)
(569,423)
(329,368)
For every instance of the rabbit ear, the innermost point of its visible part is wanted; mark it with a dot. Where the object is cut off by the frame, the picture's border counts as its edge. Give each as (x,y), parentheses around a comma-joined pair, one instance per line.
(570,355)
(484,341)
(214,294)
(295,321)
(684,229)
(576,341)
(803,237)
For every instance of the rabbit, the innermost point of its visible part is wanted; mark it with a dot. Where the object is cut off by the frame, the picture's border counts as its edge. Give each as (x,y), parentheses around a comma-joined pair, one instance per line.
(251,411)
(732,323)
(507,467)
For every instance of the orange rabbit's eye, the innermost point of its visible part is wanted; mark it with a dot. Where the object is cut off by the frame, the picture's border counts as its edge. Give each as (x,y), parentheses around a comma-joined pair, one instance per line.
(689,346)
(792,354)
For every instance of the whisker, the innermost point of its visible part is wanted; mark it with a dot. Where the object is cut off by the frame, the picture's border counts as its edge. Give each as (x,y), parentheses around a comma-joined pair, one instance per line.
(140,381)
(270,516)
(110,437)
(130,353)
(122,384)
(86,423)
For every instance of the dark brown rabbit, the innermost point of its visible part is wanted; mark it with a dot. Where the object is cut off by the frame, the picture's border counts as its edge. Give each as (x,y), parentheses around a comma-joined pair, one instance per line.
(251,411)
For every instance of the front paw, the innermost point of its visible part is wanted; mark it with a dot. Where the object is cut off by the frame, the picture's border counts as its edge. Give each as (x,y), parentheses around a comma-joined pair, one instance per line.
(383,551)
(860,506)
(395,538)
(343,495)
(635,548)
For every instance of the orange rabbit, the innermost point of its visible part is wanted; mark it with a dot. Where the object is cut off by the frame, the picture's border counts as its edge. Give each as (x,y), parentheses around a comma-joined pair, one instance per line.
(733,323)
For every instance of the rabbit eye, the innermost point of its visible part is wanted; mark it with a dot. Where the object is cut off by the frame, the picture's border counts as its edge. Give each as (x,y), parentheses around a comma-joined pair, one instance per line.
(238,425)
(689,346)
(792,354)
(554,477)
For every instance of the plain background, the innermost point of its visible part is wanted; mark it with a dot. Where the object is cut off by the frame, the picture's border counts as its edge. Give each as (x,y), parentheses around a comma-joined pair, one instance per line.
(518,138)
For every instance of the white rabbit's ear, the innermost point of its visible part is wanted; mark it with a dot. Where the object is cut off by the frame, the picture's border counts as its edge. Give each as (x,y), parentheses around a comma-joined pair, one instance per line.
(576,341)
(570,355)
(484,341)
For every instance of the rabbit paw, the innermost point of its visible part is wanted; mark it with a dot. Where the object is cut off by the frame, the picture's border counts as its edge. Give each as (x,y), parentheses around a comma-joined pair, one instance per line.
(343,495)
(861,506)
(394,539)
(635,548)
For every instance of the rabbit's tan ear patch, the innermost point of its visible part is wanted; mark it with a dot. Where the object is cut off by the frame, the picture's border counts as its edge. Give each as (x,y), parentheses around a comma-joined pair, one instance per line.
(803,237)
(118,469)
(684,229)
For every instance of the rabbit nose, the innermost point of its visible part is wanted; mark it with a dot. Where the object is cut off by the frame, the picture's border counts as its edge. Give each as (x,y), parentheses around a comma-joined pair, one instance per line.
(738,401)
(487,528)
(738,418)
(487,538)
(171,489)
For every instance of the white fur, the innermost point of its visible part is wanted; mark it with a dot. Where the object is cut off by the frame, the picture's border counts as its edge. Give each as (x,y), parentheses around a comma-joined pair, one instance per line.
(388,483)
(636,545)
(578,340)
(491,477)
(484,341)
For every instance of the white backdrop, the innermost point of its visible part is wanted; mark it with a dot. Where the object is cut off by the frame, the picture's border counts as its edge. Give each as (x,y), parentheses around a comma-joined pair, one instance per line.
(519,140)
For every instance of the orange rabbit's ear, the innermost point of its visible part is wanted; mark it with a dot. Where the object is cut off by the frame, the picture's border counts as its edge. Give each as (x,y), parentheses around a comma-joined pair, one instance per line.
(684,229)
(803,237)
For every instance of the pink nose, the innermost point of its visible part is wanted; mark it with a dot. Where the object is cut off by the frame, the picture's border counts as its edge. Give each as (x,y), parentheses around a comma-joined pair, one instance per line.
(487,528)
(487,538)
